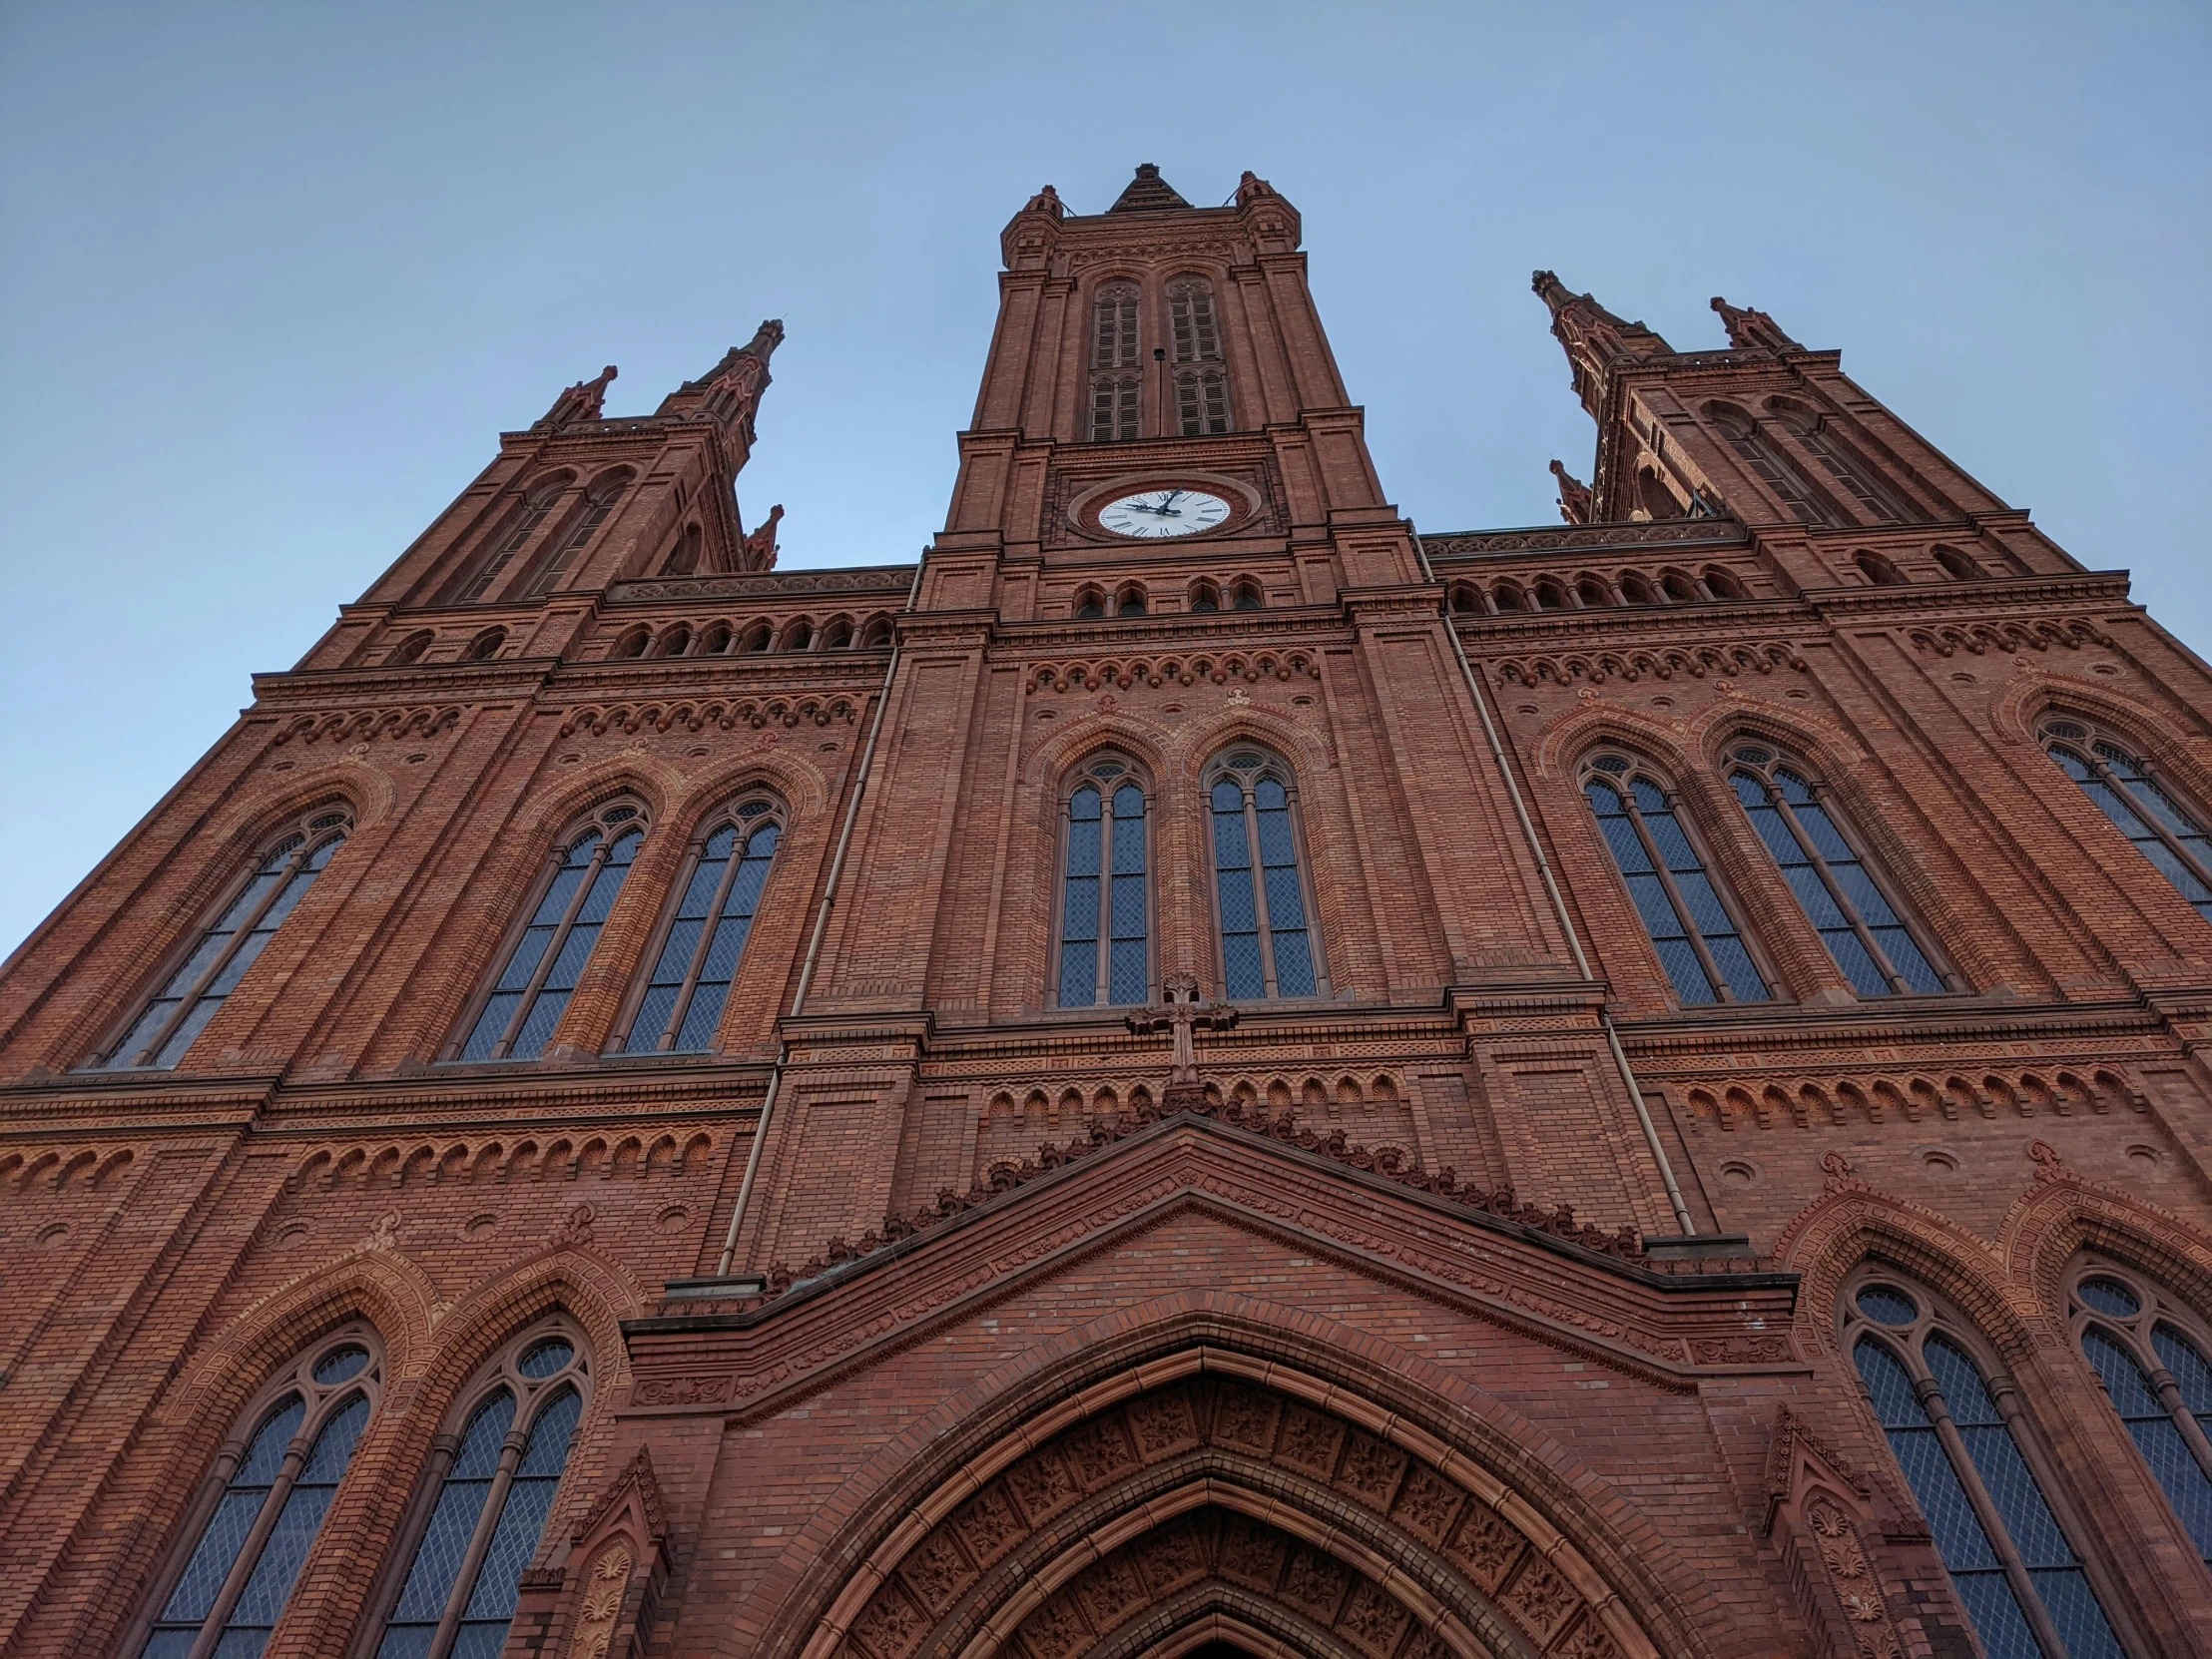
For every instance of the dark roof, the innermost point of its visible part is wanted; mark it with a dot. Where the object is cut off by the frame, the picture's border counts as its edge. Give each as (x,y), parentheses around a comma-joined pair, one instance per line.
(1146,191)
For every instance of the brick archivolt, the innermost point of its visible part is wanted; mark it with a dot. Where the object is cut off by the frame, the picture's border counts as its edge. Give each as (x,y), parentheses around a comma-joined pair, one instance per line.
(727,714)
(367,724)
(1329,1522)
(1218,667)
(64,1170)
(1568,668)
(2067,633)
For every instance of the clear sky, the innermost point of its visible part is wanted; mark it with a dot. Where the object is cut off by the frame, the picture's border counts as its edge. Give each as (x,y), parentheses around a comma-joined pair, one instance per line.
(271,277)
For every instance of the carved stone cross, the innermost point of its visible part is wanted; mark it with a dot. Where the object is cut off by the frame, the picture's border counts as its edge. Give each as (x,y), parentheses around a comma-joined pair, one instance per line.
(1182,1012)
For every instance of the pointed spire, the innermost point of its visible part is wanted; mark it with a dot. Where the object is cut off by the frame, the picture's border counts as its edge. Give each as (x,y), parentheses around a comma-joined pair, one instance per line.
(1595,340)
(758,551)
(1575,495)
(1252,187)
(1752,331)
(580,402)
(1146,193)
(1046,200)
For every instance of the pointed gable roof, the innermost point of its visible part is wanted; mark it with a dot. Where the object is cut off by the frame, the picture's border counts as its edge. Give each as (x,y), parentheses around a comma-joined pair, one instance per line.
(1146,191)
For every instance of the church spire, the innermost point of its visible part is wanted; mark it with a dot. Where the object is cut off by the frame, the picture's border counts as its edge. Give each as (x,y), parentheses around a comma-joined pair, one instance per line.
(1752,331)
(1593,336)
(1146,193)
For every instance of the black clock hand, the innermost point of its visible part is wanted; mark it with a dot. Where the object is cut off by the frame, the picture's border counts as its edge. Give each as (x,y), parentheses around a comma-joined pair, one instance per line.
(1167,508)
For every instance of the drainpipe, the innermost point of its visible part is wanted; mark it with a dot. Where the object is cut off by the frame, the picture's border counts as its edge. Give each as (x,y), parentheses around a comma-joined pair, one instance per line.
(822,924)
(1559,903)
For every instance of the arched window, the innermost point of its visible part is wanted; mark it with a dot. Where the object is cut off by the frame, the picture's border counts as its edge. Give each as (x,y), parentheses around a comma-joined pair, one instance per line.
(1591,592)
(494,1491)
(1837,460)
(1508,597)
(263,1503)
(1722,583)
(1653,496)
(1245,595)
(683,1000)
(177,1014)
(714,641)
(1637,591)
(1191,320)
(1130,601)
(2014,1569)
(877,634)
(757,636)
(2137,800)
(1201,401)
(411,648)
(485,646)
(573,540)
(2149,1352)
(1959,566)
(684,559)
(1204,596)
(837,634)
(1871,943)
(513,536)
(798,634)
(529,997)
(1090,604)
(673,643)
(1695,933)
(1880,571)
(1259,896)
(1105,904)
(1116,390)
(1766,461)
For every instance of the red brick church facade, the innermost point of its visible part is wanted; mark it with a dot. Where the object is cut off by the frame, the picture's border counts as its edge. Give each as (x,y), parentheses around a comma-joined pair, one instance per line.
(632,1104)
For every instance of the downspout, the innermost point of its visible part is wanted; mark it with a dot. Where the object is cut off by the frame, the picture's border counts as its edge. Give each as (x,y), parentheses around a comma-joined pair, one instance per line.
(822,924)
(1558,904)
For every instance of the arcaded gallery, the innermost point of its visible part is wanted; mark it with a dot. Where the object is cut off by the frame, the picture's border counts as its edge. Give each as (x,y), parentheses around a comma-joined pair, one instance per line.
(1203,1069)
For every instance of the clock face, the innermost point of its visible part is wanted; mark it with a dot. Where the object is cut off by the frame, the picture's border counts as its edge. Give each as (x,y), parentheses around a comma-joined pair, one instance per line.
(1150,515)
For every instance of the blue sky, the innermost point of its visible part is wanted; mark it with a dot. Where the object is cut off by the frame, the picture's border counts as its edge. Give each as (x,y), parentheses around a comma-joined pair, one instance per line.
(271,277)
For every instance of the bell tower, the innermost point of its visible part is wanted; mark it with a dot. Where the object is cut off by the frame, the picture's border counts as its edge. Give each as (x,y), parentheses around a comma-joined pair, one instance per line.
(1167,346)
(1840,491)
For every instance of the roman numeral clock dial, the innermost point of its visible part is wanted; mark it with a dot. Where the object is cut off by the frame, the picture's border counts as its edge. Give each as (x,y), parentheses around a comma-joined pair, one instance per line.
(1151,515)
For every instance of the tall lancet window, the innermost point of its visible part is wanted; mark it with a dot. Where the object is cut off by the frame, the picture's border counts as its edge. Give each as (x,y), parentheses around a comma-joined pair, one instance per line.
(2140,804)
(263,1506)
(511,538)
(1200,384)
(599,503)
(495,1489)
(704,942)
(546,960)
(2149,1352)
(1268,947)
(1117,386)
(1105,898)
(1692,931)
(1869,940)
(1968,1462)
(194,991)
(1838,463)
(1758,451)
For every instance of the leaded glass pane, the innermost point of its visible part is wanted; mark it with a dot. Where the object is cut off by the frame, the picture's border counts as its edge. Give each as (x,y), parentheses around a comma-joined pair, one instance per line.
(2109,1295)
(453,1524)
(1968,1554)
(1128,973)
(1293,964)
(545,1359)
(2155,1435)
(2190,1371)
(269,1585)
(530,1498)
(2142,793)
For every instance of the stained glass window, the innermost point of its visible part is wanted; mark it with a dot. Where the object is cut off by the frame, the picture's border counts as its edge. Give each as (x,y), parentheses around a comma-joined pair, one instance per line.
(239,1576)
(493,1499)
(1105,903)
(684,999)
(541,971)
(1867,938)
(1267,942)
(1697,939)
(2012,1565)
(2159,1383)
(2140,805)
(192,993)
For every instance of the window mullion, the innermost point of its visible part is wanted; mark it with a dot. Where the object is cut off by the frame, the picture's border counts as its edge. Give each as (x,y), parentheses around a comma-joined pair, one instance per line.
(256,1539)
(479,1545)
(239,937)
(1259,889)
(577,900)
(1986,1511)
(1682,911)
(2168,1389)
(1105,993)
(707,927)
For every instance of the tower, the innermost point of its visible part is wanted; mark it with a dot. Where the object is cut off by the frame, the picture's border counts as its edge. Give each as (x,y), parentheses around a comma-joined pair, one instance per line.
(1197,1069)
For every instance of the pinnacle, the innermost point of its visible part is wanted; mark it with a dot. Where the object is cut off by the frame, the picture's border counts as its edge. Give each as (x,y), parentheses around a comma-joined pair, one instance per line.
(1147,192)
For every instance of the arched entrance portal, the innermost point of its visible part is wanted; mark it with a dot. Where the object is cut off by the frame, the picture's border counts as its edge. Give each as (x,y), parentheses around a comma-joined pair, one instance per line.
(1213,1500)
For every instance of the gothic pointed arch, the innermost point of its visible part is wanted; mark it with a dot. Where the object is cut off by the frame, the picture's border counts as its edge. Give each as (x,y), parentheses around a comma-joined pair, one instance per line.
(1123,1484)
